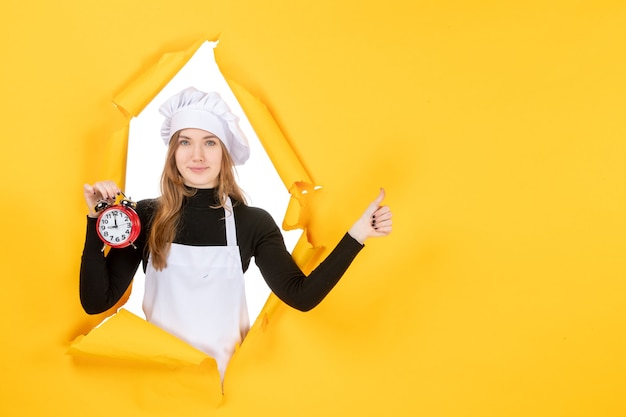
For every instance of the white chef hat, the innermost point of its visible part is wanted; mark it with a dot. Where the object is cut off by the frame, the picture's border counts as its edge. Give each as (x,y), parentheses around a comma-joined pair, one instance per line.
(192,108)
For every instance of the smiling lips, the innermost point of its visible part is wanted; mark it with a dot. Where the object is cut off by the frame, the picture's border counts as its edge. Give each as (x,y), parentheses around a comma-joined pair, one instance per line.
(198,170)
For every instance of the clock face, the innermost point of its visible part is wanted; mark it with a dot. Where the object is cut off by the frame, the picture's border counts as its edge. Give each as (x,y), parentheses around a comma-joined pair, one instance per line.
(115,227)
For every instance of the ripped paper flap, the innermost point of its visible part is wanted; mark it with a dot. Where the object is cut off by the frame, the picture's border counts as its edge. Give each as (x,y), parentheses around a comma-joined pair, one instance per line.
(126,336)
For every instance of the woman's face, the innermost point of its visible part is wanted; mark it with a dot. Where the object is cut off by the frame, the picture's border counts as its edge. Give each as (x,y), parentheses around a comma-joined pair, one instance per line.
(199,158)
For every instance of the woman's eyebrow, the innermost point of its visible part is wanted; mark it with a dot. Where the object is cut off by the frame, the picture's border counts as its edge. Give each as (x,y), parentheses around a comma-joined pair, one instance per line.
(211,136)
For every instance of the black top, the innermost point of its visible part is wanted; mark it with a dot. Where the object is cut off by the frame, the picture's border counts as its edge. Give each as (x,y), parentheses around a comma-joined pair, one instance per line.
(103,280)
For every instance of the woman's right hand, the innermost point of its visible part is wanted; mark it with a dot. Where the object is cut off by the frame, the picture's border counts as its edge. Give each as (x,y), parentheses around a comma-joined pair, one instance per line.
(102,190)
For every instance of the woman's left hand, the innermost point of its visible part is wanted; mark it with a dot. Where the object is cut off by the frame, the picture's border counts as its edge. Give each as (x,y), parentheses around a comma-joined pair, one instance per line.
(374,222)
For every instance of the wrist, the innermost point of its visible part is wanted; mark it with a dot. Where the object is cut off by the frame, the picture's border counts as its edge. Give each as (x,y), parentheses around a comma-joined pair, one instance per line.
(356,235)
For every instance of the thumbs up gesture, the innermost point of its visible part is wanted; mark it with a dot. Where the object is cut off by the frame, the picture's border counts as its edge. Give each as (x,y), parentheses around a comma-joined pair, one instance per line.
(374,222)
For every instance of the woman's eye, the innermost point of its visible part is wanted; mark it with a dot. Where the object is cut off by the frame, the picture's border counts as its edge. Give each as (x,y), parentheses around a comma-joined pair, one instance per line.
(183,142)
(210,143)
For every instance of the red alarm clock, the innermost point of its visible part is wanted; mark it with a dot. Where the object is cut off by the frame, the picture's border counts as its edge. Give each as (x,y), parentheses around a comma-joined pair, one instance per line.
(118,224)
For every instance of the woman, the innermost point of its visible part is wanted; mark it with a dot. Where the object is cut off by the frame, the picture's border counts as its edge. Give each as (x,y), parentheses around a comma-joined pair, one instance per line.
(197,239)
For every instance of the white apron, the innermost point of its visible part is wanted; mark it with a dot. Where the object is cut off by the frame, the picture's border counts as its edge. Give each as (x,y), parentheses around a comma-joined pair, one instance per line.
(200,296)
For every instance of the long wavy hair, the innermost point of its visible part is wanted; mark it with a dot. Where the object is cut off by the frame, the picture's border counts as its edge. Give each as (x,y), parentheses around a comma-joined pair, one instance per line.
(173,193)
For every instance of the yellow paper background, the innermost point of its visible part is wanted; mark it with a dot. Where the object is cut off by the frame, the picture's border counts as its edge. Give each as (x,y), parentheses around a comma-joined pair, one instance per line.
(496,129)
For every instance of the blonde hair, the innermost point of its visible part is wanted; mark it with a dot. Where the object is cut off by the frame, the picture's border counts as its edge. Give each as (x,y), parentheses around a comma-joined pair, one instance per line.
(173,193)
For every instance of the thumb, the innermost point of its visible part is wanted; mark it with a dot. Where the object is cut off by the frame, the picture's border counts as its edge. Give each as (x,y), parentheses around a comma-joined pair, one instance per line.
(380,198)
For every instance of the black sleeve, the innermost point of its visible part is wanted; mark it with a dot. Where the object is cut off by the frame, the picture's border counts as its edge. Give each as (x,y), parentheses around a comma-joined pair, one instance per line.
(289,283)
(104,279)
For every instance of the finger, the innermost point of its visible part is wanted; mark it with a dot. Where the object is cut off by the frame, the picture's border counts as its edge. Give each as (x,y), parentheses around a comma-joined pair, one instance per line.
(384,227)
(380,198)
(88,189)
(107,189)
(100,191)
(379,216)
(375,205)
(381,220)
(382,230)
(377,224)
(382,213)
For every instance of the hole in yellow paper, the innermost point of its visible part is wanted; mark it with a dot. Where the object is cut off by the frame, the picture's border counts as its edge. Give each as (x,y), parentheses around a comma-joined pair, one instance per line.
(258,177)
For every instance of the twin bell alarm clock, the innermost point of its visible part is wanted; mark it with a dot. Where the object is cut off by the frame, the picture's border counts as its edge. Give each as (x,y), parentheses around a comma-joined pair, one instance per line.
(118,223)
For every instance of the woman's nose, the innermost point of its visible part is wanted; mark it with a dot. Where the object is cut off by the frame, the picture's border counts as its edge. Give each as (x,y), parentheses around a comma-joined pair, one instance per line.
(197,154)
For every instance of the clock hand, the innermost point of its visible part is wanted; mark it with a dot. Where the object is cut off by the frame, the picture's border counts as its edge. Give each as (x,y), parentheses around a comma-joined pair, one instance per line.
(116,226)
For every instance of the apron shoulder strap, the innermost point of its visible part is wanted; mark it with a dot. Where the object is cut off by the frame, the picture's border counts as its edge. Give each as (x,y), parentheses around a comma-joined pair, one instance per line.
(231,231)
